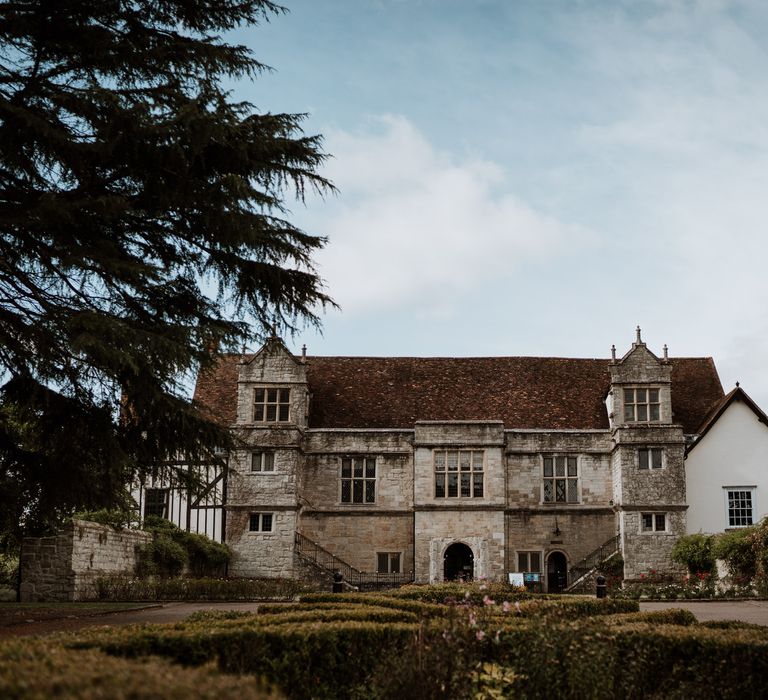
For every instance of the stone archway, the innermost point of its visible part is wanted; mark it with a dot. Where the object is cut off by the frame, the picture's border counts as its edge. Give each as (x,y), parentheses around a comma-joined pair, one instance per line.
(458,563)
(557,572)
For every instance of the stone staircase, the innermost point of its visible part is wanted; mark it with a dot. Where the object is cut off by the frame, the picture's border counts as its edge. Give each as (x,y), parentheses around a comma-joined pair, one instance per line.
(319,565)
(582,574)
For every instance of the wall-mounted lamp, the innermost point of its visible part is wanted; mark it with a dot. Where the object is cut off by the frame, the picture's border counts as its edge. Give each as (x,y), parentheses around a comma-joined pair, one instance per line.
(556,531)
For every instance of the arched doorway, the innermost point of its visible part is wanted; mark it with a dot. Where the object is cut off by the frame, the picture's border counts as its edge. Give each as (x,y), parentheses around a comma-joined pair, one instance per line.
(557,572)
(458,563)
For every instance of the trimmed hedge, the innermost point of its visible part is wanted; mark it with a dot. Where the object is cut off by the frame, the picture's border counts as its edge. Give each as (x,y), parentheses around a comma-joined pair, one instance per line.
(38,669)
(129,588)
(555,649)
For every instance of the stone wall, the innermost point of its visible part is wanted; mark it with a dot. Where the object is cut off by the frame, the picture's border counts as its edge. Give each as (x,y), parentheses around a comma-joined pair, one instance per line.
(64,567)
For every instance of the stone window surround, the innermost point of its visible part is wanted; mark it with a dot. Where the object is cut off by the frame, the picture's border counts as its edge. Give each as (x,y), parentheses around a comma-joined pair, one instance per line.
(637,406)
(528,566)
(752,490)
(266,462)
(258,520)
(389,558)
(567,457)
(475,473)
(654,527)
(361,480)
(650,449)
(268,398)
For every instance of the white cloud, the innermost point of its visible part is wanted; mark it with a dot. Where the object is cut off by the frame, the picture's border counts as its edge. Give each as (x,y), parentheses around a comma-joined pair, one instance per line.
(414,224)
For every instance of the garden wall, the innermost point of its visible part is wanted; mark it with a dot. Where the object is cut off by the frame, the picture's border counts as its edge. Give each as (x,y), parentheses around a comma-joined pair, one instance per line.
(64,567)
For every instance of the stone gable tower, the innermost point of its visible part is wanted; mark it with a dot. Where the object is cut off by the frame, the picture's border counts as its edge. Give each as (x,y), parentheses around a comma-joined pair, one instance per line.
(646,461)
(264,470)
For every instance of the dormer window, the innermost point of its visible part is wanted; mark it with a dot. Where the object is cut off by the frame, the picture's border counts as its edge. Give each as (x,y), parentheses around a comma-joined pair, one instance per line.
(641,405)
(271,405)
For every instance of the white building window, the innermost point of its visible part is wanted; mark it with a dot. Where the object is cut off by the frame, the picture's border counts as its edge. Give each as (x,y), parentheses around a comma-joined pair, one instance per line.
(641,405)
(260,522)
(358,480)
(388,562)
(271,405)
(262,461)
(739,506)
(650,457)
(653,522)
(529,562)
(459,473)
(561,480)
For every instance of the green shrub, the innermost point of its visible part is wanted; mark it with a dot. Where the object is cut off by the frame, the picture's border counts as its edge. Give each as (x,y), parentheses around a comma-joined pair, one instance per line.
(128,588)
(695,553)
(39,669)
(602,656)
(202,556)
(116,518)
(162,557)
(475,592)
(736,549)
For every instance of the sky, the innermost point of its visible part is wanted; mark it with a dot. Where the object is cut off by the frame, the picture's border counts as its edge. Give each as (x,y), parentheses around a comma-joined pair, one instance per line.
(534,177)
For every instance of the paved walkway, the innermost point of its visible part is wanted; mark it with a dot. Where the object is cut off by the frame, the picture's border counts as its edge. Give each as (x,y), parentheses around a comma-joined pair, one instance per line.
(755,611)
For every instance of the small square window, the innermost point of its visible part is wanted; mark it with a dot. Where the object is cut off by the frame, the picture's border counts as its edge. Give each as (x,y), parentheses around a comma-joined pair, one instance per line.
(650,457)
(388,562)
(260,522)
(271,405)
(642,405)
(653,522)
(263,462)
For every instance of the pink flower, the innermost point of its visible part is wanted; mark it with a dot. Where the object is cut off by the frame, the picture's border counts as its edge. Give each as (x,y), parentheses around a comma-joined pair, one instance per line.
(518,609)
(505,606)
(480,635)
(483,586)
(472,619)
(466,595)
(488,601)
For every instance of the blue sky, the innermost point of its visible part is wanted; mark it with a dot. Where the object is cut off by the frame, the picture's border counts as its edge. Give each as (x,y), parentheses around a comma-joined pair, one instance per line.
(534,177)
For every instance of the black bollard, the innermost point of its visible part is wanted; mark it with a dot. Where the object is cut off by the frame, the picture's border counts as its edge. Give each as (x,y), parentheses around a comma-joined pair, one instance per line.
(601,587)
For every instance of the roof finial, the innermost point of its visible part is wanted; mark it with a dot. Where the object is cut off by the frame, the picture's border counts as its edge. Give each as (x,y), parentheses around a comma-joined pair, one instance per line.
(274,329)
(639,339)
(666,352)
(304,352)
(613,353)
(737,385)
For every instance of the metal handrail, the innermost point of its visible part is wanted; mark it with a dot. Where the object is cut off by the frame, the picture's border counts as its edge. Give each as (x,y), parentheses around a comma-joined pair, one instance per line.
(330,563)
(593,560)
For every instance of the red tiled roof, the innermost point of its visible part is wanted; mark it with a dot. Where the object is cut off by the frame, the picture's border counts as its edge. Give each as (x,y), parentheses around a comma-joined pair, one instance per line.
(523,392)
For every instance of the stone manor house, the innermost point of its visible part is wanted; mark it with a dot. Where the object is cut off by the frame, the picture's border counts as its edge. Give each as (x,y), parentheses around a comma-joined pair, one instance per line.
(437,468)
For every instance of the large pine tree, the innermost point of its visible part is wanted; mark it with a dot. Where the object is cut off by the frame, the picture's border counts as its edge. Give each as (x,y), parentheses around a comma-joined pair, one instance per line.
(142,221)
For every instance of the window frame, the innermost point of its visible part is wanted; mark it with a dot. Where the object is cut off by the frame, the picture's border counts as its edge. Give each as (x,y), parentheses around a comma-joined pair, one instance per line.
(650,450)
(390,558)
(470,488)
(527,554)
(635,404)
(363,479)
(165,504)
(263,406)
(260,521)
(752,491)
(554,478)
(654,527)
(266,456)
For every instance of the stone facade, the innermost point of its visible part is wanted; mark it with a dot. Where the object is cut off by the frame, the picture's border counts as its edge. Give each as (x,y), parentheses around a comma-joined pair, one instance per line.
(535,478)
(65,567)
